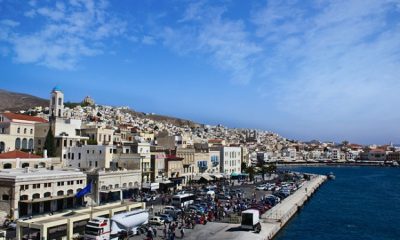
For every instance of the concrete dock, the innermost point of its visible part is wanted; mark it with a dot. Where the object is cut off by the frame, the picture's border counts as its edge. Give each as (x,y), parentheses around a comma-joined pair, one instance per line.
(272,221)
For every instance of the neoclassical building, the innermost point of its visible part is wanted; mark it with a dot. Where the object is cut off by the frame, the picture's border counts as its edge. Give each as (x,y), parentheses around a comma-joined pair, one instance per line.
(17,131)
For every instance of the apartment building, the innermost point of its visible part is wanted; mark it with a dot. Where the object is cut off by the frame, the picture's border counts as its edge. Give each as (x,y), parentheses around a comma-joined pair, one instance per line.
(231,160)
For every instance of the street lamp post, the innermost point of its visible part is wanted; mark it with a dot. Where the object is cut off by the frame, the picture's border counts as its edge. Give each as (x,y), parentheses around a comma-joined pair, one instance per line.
(142,159)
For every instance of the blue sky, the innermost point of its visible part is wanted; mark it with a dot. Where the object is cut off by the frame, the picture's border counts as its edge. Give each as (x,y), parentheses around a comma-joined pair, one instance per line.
(325,70)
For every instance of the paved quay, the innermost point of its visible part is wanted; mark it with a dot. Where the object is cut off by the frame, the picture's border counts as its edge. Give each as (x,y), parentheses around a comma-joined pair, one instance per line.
(272,221)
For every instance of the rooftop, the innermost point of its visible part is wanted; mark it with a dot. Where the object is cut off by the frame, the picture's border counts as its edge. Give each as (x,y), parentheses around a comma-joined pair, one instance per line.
(17,154)
(38,173)
(15,116)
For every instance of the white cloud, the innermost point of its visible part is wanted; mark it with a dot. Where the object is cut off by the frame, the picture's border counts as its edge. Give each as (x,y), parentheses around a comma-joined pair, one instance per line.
(148,40)
(204,30)
(66,33)
(339,61)
(9,23)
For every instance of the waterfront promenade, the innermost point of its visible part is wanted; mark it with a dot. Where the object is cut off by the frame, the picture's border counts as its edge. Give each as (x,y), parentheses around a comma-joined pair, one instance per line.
(271,222)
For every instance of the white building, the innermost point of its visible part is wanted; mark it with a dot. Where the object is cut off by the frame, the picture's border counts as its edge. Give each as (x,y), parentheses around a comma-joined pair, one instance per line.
(289,154)
(28,192)
(17,131)
(89,156)
(57,102)
(114,186)
(215,159)
(19,159)
(335,154)
(231,160)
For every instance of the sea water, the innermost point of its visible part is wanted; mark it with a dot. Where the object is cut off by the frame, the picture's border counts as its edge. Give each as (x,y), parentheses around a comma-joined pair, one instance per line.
(361,203)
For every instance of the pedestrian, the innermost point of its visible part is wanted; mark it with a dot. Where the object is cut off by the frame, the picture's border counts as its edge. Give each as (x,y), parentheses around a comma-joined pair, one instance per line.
(173,235)
(182,232)
(155,232)
(165,232)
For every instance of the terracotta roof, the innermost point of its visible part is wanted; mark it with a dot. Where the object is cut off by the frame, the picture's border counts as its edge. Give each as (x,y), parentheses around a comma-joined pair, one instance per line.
(17,154)
(215,140)
(377,150)
(16,116)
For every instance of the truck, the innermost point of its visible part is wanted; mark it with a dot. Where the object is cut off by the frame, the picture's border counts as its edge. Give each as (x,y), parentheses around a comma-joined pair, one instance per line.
(250,219)
(101,228)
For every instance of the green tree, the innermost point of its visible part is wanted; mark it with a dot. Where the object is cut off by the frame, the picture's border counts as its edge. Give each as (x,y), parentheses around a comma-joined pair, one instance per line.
(263,169)
(49,144)
(251,170)
(92,142)
(244,167)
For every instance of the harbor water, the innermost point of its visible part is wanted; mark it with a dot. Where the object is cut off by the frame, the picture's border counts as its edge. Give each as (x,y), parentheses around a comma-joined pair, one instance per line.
(361,203)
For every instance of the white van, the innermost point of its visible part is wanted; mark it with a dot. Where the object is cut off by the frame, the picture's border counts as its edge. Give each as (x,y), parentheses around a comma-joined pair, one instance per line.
(211,194)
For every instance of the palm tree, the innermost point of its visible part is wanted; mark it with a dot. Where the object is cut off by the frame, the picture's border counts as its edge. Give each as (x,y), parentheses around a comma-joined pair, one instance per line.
(251,170)
(266,168)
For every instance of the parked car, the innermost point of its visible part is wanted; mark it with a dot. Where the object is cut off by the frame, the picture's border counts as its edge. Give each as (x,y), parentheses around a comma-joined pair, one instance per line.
(166,217)
(169,209)
(260,187)
(156,220)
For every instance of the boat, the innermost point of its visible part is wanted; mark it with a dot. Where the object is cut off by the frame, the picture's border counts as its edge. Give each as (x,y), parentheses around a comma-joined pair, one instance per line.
(331,176)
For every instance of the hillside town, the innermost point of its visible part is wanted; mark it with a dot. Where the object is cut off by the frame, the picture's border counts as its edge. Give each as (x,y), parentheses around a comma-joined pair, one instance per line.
(48,155)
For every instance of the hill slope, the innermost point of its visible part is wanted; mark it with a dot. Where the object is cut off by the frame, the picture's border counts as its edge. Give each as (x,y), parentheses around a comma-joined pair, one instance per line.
(11,101)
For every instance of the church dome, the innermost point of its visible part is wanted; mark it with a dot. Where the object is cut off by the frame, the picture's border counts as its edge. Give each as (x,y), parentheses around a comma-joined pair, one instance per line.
(56,89)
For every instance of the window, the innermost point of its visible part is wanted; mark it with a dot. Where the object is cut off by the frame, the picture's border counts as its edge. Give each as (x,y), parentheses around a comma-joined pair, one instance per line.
(79,155)
(18,143)
(35,186)
(70,142)
(58,142)
(24,187)
(39,142)
(7,166)
(60,183)
(31,131)
(100,152)
(5,197)
(65,156)
(87,151)
(23,197)
(70,182)
(59,101)
(69,155)
(18,130)
(30,144)
(72,157)
(25,165)
(24,143)
(24,130)
(95,163)
(65,143)
(111,151)
(46,185)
